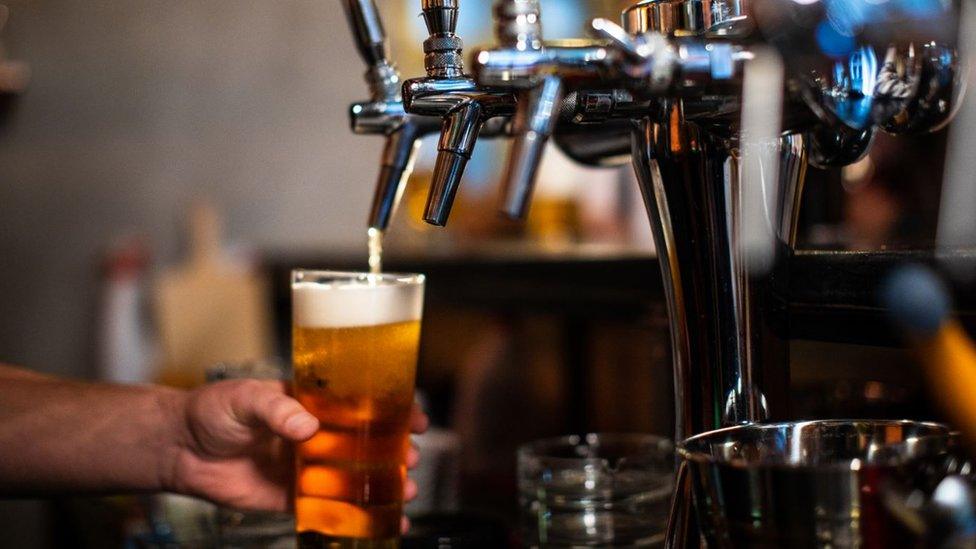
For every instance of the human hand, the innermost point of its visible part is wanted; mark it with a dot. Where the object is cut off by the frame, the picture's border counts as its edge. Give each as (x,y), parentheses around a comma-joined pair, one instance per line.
(235,446)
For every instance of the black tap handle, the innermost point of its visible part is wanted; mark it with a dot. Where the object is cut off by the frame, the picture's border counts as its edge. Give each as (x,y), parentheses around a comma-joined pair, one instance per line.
(367,28)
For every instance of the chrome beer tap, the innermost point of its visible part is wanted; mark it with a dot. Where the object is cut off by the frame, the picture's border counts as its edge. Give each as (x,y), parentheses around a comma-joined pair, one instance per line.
(519,30)
(447,93)
(384,113)
(672,83)
(676,72)
(607,77)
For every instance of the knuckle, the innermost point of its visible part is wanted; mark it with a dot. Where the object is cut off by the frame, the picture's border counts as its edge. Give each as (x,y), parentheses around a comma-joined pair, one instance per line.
(248,387)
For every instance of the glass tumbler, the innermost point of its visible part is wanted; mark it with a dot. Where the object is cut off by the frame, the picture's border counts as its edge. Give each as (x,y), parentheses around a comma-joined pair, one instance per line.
(597,490)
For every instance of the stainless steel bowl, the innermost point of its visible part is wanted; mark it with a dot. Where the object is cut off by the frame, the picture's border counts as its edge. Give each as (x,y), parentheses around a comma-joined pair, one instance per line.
(806,483)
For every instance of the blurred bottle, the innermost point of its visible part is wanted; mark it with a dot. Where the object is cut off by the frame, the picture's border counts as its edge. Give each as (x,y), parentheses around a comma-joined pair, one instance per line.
(126,346)
(571,203)
(211,307)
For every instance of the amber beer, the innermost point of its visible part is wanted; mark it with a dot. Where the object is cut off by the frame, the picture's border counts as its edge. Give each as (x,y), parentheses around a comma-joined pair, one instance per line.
(355,339)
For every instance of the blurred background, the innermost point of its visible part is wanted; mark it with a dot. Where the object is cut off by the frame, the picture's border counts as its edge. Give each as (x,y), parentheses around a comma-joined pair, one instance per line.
(143,142)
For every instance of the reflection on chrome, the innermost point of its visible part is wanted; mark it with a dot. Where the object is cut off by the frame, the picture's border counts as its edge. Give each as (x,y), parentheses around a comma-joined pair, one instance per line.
(666,88)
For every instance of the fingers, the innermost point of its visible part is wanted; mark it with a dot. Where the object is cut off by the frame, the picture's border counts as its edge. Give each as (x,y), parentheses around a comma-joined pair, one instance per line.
(410,489)
(413,456)
(418,419)
(265,403)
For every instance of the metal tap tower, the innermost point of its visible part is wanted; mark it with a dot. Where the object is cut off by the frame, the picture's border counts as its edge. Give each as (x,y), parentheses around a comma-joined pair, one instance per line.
(723,103)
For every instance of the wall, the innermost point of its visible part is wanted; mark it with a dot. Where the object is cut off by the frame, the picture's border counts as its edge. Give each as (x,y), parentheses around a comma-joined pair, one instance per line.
(137,107)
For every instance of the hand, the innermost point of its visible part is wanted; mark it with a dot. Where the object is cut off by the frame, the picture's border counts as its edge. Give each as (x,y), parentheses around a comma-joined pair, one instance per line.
(236,442)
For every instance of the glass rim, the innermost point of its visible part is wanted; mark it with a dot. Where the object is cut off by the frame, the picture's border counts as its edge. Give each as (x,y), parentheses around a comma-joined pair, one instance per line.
(694,449)
(395,279)
(653,446)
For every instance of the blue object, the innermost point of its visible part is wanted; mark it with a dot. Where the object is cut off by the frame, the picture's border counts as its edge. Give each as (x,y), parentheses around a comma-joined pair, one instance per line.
(832,42)
(916,299)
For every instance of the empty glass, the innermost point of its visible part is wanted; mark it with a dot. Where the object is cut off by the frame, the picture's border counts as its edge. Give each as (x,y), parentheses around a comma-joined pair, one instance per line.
(597,490)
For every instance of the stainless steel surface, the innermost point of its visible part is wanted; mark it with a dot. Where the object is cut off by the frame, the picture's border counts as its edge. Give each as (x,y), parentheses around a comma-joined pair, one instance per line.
(518,24)
(806,483)
(655,15)
(383,114)
(726,17)
(517,27)
(671,82)
(463,105)
(647,64)
(683,173)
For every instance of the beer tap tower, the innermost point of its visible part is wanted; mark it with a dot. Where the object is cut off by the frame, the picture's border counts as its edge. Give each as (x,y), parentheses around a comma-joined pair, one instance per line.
(722,196)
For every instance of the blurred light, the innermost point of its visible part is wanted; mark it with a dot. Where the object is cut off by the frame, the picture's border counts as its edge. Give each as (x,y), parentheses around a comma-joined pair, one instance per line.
(922,9)
(957,224)
(855,175)
(848,17)
(762,102)
(863,69)
(832,42)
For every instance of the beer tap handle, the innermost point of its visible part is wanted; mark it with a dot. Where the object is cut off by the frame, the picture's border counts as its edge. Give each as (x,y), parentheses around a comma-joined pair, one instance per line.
(458,136)
(463,105)
(367,29)
(442,48)
(618,38)
(384,113)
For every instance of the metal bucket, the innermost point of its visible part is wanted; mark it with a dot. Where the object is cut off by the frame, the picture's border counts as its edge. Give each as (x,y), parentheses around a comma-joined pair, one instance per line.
(805,483)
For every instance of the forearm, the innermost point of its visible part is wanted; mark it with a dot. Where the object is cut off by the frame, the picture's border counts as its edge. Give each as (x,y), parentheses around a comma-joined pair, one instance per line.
(58,435)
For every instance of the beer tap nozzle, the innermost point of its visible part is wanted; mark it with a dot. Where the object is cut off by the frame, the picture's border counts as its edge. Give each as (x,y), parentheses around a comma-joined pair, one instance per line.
(448,93)
(533,125)
(383,113)
(518,27)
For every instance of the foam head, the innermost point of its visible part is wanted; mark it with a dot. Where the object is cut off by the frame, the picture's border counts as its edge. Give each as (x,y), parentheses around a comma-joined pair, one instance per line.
(355,301)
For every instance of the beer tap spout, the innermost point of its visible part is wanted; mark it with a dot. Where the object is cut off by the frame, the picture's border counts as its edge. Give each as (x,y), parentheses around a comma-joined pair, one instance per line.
(449,94)
(383,113)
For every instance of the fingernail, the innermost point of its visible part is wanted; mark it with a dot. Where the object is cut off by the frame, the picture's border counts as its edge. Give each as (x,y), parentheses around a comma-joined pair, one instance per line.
(301,423)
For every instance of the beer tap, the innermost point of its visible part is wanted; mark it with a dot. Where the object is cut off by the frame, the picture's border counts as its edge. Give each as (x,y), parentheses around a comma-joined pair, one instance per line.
(517,27)
(722,195)
(384,113)
(446,92)
(604,74)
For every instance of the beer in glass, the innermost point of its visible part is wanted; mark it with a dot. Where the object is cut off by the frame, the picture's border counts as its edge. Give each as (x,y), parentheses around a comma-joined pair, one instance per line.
(354,342)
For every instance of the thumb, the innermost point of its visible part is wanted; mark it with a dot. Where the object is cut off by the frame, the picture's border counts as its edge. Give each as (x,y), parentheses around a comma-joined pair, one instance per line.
(266,404)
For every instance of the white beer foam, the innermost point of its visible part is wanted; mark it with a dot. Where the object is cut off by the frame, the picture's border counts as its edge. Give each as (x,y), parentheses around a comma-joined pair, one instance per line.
(350,304)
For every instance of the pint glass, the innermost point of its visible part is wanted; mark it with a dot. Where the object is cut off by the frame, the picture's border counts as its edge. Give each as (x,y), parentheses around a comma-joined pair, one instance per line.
(354,346)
